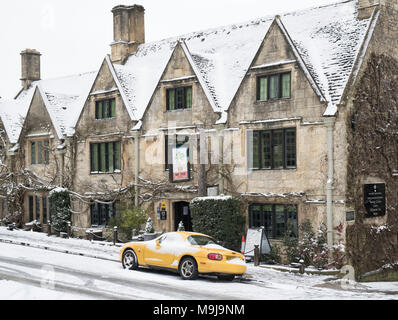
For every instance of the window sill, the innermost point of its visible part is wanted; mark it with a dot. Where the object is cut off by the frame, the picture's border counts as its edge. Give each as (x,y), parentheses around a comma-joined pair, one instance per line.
(105,119)
(95,173)
(276,169)
(263,102)
(178,110)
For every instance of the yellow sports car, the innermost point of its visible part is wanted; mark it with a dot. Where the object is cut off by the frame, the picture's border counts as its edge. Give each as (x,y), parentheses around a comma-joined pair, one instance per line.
(188,253)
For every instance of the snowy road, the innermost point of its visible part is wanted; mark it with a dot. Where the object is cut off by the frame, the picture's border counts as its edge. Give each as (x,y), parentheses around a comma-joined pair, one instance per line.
(30,273)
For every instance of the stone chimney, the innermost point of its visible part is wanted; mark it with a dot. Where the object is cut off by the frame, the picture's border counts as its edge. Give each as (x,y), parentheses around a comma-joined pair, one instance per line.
(128,31)
(30,67)
(366,7)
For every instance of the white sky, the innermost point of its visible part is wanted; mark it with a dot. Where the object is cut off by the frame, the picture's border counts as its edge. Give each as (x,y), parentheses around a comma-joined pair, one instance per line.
(73,36)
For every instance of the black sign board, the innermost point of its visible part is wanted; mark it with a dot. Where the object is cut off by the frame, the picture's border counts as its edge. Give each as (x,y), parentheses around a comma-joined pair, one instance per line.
(375,199)
(163,215)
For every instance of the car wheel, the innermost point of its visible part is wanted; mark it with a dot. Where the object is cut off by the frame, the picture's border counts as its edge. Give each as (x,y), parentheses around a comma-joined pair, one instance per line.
(228,277)
(188,269)
(129,260)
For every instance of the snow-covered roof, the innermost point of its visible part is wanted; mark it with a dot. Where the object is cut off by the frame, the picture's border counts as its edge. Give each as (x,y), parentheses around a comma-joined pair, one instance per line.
(326,41)
(64,98)
(13,113)
(140,75)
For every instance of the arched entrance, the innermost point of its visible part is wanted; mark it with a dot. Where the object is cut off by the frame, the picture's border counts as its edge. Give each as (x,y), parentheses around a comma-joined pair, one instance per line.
(182,213)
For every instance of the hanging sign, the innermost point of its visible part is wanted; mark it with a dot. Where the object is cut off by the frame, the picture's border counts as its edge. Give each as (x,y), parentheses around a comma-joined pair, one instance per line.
(180,166)
(375,199)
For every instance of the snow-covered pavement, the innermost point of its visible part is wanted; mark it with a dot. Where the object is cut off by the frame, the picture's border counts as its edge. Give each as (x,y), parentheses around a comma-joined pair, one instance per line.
(30,272)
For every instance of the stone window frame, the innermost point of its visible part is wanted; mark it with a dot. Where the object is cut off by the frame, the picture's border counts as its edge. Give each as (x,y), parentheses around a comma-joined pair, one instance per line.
(44,155)
(116,169)
(111,108)
(271,231)
(284,149)
(268,75)
(184,103)
(104,215)
(38,202)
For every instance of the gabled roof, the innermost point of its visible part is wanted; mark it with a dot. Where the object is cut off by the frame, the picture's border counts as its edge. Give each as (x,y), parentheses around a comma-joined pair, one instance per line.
(140,75)
(326,41)
(13,113)
(329,39)
(64,99)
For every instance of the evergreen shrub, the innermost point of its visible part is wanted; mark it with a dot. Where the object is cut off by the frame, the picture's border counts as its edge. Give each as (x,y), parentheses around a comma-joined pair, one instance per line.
(221,218)
(60,207)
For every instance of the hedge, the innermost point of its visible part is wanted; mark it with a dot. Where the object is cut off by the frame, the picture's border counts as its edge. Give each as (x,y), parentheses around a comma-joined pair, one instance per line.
(220,217)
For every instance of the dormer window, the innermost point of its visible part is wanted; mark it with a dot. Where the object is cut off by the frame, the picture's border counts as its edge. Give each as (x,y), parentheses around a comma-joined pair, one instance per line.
(179,98)
(105,109)
(274,86)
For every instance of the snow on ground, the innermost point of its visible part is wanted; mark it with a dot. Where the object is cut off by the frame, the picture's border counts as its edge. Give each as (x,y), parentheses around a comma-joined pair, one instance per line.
(107,277)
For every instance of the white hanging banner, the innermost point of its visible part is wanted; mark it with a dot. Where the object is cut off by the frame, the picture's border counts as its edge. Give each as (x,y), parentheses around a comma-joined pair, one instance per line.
(180,164)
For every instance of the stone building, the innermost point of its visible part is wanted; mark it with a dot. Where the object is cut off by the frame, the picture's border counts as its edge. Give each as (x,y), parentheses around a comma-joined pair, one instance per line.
(261,109)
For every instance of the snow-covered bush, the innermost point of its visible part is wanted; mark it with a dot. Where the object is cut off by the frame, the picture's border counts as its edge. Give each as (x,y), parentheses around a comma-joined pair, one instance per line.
(60,213)
(312,248)
(181,226)
(220,217)
(149,226)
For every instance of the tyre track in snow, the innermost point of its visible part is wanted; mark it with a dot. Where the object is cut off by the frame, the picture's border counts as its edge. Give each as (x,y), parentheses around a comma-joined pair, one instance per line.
(12,269)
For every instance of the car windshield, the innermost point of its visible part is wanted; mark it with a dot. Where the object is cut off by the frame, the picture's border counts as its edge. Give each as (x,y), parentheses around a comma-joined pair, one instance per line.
(197,240)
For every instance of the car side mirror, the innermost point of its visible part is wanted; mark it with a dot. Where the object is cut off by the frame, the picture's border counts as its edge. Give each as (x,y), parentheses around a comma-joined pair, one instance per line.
(158,243)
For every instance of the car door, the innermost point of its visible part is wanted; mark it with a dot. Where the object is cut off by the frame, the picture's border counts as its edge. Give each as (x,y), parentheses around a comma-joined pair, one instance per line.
(161,252)
(153,254)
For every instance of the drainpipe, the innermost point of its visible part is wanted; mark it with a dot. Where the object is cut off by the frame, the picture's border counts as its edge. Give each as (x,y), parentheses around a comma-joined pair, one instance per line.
(220,134)
(330,121)
(136,135)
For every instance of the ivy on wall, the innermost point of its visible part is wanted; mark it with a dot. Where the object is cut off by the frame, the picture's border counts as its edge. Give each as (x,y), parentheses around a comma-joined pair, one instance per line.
(373,154)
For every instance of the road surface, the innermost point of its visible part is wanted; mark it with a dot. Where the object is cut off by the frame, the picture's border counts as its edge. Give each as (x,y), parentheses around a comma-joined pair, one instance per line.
(30,273)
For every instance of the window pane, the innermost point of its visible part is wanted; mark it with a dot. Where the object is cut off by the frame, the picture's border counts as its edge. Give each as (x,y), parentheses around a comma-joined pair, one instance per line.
(180,98)
(37,208)
(286,85)
(106,110)
(30,209)
(117,164)
(266,149)
(171,99)
(188,94)
(33,153)
(94,214)
(98,111)
(290,145)
(292,221)
(267,212)
(277,149)
(104,211)
(94,157)
(263,88)
(40,152)
(111,156)
(113,108)
(44,202)
(46,152)
(103,157)
(274,87)
(256,155)
(255,216)
(279,221)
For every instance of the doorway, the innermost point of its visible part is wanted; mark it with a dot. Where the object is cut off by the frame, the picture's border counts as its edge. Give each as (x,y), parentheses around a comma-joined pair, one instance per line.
(182,213)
